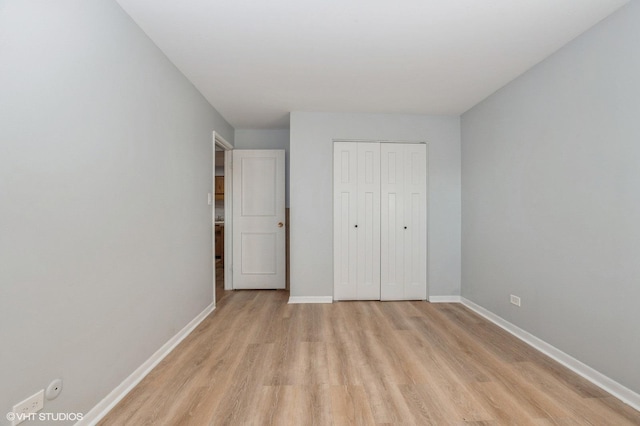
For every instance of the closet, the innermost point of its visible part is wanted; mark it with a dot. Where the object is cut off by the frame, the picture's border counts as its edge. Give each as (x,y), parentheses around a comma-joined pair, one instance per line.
(380,221)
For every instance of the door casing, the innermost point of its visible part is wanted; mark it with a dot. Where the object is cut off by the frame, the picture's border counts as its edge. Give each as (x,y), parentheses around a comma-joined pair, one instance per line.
(220,142)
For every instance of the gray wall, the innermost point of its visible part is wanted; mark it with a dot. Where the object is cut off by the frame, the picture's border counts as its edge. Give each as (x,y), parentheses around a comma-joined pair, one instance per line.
(550,206)
(105,232)
(312,137)
(266,139)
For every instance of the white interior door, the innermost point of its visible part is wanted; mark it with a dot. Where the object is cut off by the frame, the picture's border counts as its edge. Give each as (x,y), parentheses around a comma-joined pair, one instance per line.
(368,222)
(258,219)
(356,221)
(345,190)
(403,221)
(415,222)
(392,222)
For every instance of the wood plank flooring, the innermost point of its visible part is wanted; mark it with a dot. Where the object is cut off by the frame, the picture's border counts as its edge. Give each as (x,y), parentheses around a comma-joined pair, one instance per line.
(259,361)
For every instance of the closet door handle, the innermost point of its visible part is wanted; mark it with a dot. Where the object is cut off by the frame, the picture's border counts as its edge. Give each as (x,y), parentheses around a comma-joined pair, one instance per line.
(356,226)
(405,227)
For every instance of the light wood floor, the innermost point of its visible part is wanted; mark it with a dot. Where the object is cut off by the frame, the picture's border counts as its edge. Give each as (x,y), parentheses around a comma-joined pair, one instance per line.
(258,361)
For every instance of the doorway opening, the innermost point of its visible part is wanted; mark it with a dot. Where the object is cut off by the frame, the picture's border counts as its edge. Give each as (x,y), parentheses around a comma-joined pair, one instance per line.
(218,222)
(221,218)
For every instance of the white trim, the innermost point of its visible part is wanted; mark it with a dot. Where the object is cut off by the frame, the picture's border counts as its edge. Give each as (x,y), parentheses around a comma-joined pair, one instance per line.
(221,142)
(445,299)
(103,407)
(414,142)
(310,299)
(228,220)
(621,392)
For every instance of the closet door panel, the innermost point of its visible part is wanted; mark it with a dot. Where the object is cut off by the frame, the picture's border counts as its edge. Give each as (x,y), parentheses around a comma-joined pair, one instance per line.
(380,221)
(392,221)
(415,220)
(368,231)
(345,181)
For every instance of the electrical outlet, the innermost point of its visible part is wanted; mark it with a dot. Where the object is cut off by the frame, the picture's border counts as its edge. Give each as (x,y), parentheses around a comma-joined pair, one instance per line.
(515,300)
(26,409)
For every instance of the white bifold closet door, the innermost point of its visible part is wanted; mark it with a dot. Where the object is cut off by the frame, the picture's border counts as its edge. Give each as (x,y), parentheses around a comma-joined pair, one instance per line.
(380,221)
(403,221)
(356,221)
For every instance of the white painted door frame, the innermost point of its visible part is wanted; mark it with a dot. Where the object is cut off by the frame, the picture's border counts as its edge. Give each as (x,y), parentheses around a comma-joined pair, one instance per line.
(220,142)
(228,213)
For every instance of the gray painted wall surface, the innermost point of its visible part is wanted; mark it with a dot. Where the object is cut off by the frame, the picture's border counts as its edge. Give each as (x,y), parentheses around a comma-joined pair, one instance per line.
(551,184)
(266,139)
(312,137)
(105,232)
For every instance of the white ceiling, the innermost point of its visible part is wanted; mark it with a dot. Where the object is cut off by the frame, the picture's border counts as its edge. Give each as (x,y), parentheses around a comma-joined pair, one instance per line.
(255,61)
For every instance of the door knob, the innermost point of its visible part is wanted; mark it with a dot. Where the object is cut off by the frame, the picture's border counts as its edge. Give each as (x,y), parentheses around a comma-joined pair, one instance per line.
(280,224)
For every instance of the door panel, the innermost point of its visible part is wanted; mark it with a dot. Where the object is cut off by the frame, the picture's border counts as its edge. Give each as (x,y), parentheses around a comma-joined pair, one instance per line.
(345,208)
(403,230)
(368,221)
(379,221)
(258,219)
(415,244)
(415,250)
(259,253)
(392,222)
(259,186)
(356,221)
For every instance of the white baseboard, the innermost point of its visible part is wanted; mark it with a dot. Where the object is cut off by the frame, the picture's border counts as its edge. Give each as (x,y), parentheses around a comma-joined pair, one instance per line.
(103,407)
(445,299)
(310,299)
(621,392)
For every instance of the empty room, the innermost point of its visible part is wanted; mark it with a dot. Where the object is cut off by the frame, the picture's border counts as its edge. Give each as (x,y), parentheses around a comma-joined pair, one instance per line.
(319,212)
